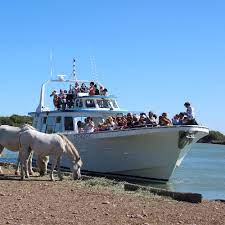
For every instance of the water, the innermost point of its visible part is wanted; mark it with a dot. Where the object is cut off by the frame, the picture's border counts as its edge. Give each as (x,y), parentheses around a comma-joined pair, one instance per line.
(202,171)
(9,156)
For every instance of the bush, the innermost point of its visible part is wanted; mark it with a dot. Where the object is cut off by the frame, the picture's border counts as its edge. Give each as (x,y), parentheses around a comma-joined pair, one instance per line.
(15,120)
(213,136)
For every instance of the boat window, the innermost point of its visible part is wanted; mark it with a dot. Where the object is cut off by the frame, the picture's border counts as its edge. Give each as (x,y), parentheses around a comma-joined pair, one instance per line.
(35,121)
(58,125)
(98,120)
(43,124)
(58,119)
(81,122)
(114,104)
(50,125)
(68,123)
(79,103)
(103,103)
(44,120)
(90,103)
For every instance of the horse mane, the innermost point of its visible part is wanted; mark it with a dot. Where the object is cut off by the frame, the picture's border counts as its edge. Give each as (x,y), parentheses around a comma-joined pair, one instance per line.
(71,149)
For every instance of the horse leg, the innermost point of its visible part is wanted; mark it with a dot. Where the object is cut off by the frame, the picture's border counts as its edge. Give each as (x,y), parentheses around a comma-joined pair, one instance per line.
(58,169)
(17,165)
(27,159)
(46,160)
(54,162)
(27,175)
(42,164)
(24,155)
(1,149)
(30,170)
(21,165)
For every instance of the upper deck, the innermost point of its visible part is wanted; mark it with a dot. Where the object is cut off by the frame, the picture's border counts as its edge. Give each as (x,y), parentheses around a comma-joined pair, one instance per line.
(78,95)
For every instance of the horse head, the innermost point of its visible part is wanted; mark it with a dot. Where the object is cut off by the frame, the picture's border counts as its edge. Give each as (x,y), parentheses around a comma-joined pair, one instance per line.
(76,169)
(75,157)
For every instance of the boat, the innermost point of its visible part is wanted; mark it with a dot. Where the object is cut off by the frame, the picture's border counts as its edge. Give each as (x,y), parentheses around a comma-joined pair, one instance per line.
(149,152)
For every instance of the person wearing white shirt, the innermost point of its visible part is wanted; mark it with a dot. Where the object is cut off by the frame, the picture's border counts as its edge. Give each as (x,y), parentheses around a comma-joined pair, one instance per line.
(190,114)
(89,125)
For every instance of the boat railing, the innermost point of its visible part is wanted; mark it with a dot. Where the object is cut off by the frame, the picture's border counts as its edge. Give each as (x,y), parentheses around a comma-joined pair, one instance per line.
(138,127)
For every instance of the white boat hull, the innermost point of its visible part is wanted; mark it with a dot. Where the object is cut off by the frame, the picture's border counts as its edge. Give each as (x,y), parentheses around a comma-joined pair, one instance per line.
(149,153)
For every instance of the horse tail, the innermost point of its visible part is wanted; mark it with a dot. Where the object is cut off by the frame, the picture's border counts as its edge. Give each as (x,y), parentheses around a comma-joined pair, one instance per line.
(71,150)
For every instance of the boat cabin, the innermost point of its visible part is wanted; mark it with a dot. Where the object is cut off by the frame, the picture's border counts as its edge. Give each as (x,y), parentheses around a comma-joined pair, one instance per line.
(73,111)
(68,121)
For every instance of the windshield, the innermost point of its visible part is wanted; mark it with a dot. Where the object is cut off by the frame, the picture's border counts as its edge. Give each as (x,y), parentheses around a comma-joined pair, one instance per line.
(103,103)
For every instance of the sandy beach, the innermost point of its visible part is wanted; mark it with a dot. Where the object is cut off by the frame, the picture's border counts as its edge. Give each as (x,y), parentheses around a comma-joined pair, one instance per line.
(39,201)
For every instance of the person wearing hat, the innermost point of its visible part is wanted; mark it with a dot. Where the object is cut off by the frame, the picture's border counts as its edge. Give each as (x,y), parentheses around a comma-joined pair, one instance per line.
(190,114)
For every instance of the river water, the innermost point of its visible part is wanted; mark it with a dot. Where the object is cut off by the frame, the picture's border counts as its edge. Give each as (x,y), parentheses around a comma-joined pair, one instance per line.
(202,171)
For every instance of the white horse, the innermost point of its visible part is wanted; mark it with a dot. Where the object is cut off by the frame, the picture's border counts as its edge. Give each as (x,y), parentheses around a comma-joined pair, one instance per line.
(9,138)
(53,145)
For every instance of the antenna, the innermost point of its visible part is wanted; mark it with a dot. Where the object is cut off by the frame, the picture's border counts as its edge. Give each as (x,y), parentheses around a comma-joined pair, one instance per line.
(51,64)
(74,72)
(93,68)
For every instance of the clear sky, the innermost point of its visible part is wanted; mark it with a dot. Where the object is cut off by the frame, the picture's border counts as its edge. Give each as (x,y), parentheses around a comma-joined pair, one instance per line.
(154,55)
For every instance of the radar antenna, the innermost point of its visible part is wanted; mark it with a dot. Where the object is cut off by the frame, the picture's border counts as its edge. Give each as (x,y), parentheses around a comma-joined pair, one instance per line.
(51,64)
(93,69)
(74,71)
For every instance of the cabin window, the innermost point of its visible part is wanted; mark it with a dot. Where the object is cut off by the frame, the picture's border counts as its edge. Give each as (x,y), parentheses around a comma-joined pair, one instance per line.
(103,103)
(114,104)
(43,124)
(90,103)
(58,125)
(58,119)
(68,123)
(50,125)
(44,120)
(98,120)
(35,122)
(79,103)
(80,122)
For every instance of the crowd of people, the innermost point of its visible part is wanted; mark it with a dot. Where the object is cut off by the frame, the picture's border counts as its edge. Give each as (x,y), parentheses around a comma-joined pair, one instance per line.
(142,120)
(66,99)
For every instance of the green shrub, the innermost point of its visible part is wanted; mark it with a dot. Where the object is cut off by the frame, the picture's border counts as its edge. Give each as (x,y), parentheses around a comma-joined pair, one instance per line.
(15,120)
(213,136)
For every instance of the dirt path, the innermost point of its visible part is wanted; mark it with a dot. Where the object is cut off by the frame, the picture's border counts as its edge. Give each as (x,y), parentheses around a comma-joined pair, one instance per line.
(39,201)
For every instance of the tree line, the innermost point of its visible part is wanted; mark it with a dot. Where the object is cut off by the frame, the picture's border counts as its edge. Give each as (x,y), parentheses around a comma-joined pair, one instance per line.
(15,120)
(214,137)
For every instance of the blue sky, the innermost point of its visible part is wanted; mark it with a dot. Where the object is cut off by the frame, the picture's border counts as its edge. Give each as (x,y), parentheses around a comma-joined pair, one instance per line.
(154,55)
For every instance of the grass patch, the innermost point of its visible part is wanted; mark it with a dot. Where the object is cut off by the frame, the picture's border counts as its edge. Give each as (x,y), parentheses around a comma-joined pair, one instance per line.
(102,183)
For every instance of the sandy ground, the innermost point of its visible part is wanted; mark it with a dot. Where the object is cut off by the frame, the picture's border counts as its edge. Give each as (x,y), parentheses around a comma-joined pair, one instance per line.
(38,201)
